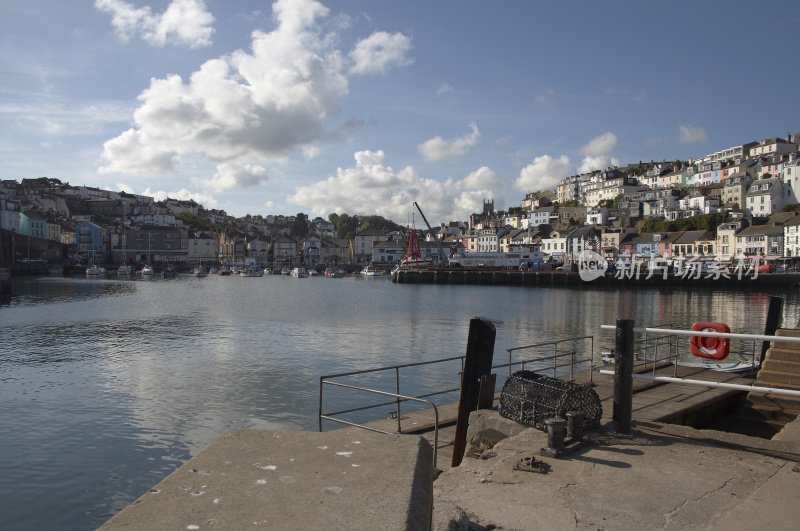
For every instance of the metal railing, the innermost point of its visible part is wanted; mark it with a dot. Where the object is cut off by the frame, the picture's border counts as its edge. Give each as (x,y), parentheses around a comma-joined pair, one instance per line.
(652,341)
(399,398)
(556,356)
(554,363)
(673,337)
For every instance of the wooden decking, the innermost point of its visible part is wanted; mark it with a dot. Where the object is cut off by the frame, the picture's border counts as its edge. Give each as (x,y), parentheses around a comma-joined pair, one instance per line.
(652,401)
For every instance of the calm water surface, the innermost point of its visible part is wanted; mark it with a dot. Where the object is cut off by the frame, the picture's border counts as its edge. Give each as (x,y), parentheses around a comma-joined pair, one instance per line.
(107,386)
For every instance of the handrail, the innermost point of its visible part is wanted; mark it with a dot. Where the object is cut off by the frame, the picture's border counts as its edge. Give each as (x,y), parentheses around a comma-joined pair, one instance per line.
(731,335)
(384,393)
(555,356)
(721,385)
(399,398)
(701,333)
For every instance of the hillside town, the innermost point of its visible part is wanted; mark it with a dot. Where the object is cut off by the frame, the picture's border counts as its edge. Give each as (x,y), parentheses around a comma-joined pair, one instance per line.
(740,201)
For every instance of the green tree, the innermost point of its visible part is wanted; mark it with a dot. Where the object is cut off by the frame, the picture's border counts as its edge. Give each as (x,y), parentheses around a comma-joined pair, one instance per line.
(300,227)
(193,221)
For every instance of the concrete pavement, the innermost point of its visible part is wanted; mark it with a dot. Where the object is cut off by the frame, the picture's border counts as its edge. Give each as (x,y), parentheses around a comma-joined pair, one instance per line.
(659,477)
(342,479)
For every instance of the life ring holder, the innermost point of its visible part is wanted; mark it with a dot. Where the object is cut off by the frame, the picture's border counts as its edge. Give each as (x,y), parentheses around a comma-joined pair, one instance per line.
(714,348)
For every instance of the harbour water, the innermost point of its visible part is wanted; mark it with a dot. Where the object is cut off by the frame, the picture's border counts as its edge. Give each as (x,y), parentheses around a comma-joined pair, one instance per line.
(109,385)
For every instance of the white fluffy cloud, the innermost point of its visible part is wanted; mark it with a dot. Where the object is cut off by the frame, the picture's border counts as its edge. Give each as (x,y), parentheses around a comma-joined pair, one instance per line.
(600,145)
(482,179)
(437,149)
(543,173)
(379,51)
(373,187)
(690,134)
(231,175)
(244,107)
(184,22)
(599,162)
(597,153)
(184,195)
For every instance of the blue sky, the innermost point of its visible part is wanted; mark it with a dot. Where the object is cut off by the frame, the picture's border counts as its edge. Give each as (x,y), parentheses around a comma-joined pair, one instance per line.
(366,106)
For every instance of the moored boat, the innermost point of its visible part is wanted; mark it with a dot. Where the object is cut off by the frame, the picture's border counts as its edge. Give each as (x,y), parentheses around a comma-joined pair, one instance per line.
(199,272)
(94,271)
(369,271)
(299,272)
(147,270)
(224,271)
(251,271)
(168,271)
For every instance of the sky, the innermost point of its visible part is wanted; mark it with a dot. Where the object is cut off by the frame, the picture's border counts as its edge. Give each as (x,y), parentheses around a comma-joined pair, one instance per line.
(365,106)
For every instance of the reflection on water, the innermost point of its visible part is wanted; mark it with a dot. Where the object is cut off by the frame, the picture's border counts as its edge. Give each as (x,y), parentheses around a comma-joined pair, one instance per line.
(108,385)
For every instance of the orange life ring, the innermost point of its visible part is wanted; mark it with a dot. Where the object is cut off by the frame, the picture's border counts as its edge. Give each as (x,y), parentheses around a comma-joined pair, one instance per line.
(715,348)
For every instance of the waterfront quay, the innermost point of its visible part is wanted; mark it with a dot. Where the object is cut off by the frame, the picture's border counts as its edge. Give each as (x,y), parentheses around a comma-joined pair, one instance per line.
(555,278)
(661,474)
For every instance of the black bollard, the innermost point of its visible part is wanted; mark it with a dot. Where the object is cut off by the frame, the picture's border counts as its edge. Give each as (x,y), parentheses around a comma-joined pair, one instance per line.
(623,376)
(478,363)
(555,437)
(575,425)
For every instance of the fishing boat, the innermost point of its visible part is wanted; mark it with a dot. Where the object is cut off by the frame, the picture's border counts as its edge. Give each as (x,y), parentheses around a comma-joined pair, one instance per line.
(251,271)
(168,271)
(334,273)
(94,271)
(224,271)
(370,272)
(299,272)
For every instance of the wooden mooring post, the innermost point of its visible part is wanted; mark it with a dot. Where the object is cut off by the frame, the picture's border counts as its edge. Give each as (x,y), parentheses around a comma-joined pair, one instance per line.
(773,317)
(5,283)
(477,366)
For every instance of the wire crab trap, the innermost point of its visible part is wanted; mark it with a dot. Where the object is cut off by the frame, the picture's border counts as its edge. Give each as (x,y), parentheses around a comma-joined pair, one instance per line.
(531,398)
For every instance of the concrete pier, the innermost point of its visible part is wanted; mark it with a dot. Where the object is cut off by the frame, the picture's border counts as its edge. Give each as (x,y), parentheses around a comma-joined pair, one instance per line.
(342,479)
(659,477)
(552,278)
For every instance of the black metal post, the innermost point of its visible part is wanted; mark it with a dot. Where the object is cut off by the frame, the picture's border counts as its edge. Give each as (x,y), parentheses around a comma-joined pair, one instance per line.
(555,434)
(575,425)
(478,363)
(773,317)
(623,376)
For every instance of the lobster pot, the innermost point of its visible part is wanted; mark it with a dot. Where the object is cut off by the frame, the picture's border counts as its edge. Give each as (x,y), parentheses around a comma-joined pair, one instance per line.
(531,398)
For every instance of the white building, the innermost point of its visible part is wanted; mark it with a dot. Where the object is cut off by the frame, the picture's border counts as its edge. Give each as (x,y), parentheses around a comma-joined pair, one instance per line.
(791,237)
(555,245)
(765,197)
